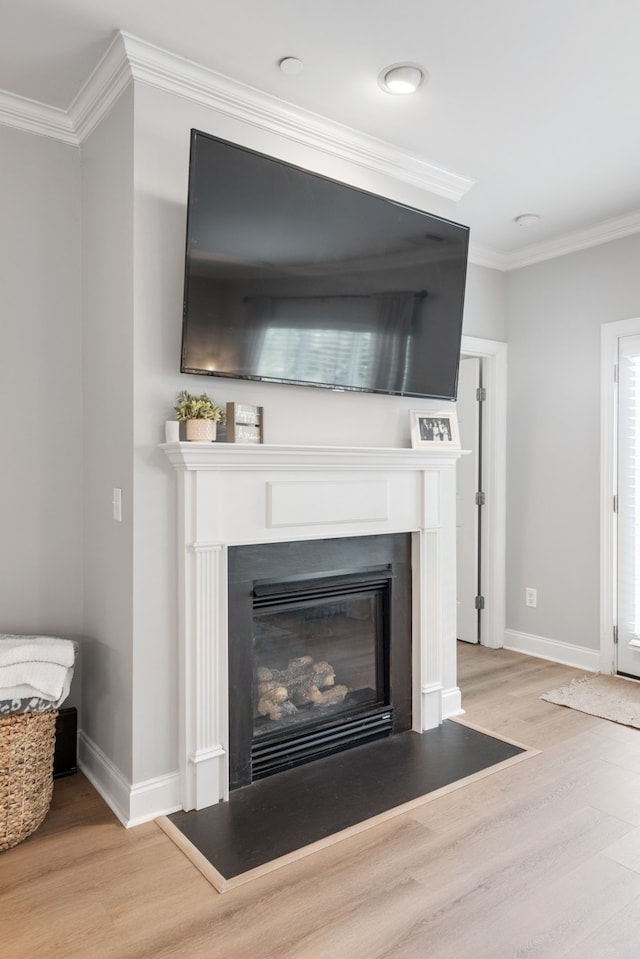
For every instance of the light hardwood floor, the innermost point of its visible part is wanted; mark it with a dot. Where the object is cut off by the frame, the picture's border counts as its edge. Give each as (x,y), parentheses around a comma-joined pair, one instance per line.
(538,860)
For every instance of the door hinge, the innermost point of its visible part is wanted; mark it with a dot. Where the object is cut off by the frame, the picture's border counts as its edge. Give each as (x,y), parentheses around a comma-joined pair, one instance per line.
(479,602)
(481,394)
(615,502)
(481,499)
(615,372)
(615,635)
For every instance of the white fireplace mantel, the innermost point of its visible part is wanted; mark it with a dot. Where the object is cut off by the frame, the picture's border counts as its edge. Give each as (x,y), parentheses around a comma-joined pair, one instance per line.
(230,495)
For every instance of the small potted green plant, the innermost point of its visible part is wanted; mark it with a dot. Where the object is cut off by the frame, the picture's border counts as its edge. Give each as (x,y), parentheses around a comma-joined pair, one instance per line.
(200,414)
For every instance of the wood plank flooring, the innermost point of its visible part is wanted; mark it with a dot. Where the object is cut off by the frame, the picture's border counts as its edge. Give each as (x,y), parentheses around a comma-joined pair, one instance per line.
(539,860)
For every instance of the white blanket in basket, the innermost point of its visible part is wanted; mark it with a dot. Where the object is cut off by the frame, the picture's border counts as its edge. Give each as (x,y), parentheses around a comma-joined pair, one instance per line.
(36,666)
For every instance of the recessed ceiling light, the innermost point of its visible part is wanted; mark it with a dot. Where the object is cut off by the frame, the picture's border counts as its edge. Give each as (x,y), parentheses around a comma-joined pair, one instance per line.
(401,78)
(527,219)
(291,66)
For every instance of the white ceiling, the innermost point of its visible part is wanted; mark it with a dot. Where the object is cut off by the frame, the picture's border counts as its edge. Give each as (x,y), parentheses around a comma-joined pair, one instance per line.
(537,102)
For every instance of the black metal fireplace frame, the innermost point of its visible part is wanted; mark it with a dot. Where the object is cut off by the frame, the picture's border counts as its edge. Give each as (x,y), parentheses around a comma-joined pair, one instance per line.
(256,576)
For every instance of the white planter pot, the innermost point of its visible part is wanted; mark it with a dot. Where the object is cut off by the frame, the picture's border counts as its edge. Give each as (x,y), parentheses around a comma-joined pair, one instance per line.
(201,431)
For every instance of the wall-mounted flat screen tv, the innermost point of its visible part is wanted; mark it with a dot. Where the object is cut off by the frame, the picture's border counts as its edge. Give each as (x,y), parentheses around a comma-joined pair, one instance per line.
(295,278)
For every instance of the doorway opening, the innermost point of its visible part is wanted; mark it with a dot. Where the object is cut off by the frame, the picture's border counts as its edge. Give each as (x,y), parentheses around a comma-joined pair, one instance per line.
(481,493)
(469,500)
(620,502)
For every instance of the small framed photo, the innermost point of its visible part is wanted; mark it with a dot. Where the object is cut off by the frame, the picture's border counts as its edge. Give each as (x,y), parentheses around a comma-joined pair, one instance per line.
(434,428)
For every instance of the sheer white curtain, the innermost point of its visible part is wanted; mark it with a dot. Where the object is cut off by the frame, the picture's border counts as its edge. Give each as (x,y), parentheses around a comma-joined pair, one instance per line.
(358,341)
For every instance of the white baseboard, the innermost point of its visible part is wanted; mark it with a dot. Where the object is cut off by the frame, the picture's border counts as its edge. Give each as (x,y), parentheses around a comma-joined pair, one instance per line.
(132,805)
(452,703)
(579,657)
(104,776)
(154,797)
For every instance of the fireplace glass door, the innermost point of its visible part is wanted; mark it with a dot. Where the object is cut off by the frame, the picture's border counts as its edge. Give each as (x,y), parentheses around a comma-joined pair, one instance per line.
(320,666)
(313,660)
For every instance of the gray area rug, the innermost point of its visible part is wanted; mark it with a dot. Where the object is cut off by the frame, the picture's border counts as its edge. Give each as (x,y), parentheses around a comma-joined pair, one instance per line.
(609,697)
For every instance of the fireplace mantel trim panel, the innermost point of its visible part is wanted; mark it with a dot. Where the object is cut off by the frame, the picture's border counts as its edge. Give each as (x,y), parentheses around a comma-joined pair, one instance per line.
(231,495)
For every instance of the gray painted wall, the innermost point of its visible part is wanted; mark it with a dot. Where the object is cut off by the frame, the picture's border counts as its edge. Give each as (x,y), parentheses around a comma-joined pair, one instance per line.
(40,387)
(485,306)
(556,309)
(107,300)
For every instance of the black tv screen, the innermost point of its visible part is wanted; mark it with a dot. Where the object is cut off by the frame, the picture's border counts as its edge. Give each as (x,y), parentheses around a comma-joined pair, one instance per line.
(295,278)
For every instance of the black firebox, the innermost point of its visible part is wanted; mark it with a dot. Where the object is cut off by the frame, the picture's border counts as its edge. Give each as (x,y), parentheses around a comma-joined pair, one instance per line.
(319,649)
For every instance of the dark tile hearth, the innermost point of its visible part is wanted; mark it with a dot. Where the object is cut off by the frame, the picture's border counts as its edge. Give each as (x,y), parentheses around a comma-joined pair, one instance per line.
(286,812)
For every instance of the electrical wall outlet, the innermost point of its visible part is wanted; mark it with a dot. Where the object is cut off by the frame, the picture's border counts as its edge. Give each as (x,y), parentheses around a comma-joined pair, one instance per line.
(116,503)
(530,596)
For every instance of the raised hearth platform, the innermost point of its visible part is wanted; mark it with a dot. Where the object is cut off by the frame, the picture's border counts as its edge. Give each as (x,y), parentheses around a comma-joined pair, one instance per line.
(279,820)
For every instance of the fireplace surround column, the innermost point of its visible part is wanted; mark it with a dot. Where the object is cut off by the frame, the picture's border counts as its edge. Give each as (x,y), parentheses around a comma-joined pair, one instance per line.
(205,691)
(238,495)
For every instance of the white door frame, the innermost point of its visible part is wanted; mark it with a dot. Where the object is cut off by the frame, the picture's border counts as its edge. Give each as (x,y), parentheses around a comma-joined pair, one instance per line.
(468,521)
(610,334)
(494,469)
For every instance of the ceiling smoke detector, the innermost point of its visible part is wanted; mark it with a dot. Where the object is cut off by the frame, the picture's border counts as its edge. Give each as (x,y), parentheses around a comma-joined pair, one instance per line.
(291,66)
(527,219)
(401,78)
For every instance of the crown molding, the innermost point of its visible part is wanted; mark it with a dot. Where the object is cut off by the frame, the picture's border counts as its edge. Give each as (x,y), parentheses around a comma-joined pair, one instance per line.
(615,228)
(32,116)
(107,82)
(481,255)
(191,81)
(130,59)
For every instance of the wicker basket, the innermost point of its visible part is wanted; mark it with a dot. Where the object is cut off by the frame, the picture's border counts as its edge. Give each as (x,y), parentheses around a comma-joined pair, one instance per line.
(27,745)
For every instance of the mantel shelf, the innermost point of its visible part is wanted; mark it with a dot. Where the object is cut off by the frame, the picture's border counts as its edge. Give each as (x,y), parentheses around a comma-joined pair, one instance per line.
(232,456)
